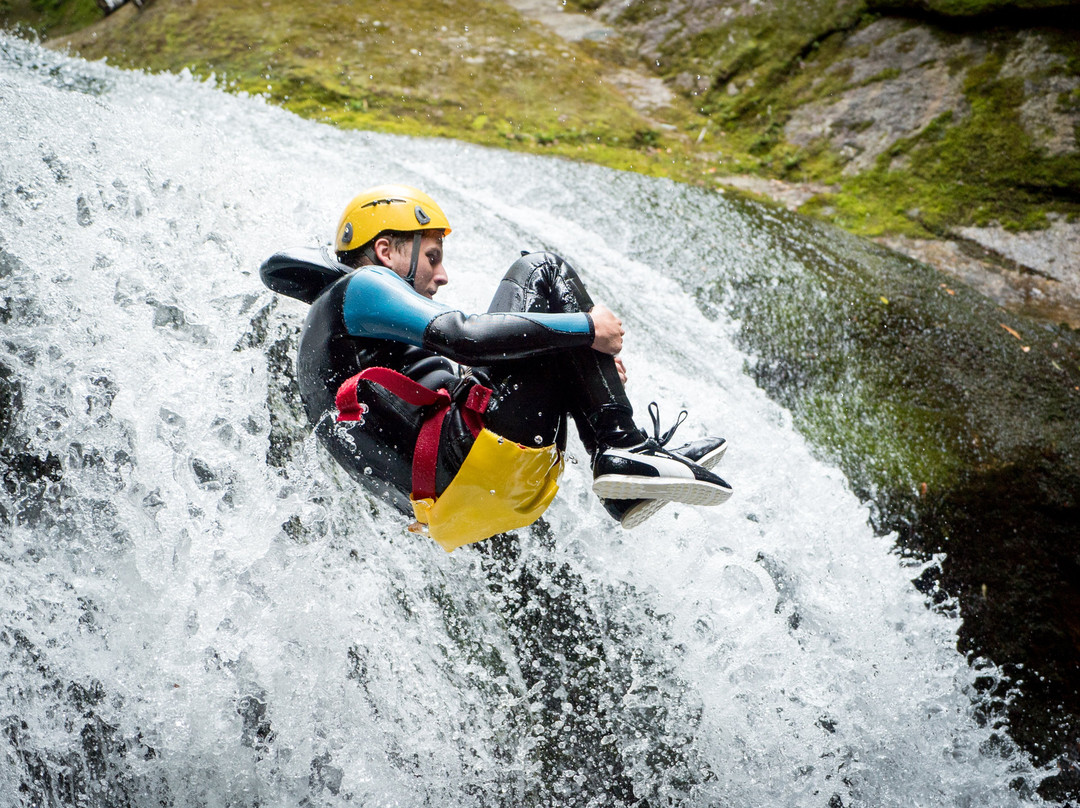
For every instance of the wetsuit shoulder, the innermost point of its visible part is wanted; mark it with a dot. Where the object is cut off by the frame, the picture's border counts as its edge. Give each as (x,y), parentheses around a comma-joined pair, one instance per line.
(303,273)
(379,304)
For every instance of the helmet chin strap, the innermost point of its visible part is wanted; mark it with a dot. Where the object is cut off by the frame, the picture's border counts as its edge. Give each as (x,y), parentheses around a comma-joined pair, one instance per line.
(411,277)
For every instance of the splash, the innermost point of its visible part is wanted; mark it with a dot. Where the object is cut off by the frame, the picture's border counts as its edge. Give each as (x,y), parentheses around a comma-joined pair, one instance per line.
(199,609)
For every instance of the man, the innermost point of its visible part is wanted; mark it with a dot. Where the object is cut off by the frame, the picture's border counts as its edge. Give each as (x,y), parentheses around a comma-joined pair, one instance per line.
(474,449)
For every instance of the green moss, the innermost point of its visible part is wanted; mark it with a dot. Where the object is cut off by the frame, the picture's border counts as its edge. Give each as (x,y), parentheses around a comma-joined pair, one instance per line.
(454,73)
(885,75)
(584,5)
(452,70)
(801,67)
(769,48)
(412,75)
(49,17)
(987,161)
(976,168)
(865,427)
(639,11)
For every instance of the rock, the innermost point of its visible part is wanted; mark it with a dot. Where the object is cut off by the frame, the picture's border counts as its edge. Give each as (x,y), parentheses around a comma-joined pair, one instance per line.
(903,83)
(567,24)
(792,195)
(1036,273)
(1045,260)
(1019,290)
(645,93)
(1050,112)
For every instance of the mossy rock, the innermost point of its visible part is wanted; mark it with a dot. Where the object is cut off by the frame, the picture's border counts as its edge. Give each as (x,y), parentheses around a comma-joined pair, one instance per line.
(49,17)
(441,70)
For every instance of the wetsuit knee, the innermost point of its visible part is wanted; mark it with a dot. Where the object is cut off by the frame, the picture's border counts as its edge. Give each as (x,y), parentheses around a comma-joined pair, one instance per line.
(541,282)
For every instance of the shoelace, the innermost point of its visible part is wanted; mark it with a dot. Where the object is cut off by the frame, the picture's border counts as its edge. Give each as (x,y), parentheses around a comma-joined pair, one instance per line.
(654,413)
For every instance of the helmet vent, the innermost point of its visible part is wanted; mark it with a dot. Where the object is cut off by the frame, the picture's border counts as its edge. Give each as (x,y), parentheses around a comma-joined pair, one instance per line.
(421,217)
(389,200)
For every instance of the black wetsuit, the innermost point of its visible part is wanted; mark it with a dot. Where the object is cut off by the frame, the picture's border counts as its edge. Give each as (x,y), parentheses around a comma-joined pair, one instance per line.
(531,348)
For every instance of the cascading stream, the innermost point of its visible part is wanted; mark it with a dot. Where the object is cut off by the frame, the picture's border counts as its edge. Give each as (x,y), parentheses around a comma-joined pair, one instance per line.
(199,609)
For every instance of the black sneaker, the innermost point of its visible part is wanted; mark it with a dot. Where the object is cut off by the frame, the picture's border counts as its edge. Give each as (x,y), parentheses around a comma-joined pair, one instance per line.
(705,452)
(649,471)
(630,513)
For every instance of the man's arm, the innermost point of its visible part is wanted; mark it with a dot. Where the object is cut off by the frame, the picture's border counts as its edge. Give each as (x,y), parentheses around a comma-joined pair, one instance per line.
(381,305)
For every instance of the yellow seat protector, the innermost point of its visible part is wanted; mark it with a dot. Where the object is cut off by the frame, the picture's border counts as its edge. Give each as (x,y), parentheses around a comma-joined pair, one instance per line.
(501,486)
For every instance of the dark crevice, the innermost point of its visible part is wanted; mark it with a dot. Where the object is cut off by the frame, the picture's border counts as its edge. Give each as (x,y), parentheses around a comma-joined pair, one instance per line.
(1010,19)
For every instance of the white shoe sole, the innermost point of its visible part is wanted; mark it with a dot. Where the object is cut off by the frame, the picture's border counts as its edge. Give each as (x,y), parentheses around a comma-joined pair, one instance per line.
(650,507)
(672,489)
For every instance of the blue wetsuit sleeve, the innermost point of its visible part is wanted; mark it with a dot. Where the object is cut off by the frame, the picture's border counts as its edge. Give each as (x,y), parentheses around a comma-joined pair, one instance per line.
(378,304)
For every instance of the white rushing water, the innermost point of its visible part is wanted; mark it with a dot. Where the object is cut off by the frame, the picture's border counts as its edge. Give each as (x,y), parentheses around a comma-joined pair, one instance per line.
(184,623)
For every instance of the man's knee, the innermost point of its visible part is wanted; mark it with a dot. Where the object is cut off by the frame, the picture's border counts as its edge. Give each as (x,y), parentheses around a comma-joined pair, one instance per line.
(541,276)
(525,271)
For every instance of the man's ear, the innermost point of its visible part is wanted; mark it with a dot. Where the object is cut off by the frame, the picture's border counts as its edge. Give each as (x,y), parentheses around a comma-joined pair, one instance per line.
(382,250)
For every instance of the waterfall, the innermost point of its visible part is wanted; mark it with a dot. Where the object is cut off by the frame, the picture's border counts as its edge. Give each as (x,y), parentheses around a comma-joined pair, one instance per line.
(199,609)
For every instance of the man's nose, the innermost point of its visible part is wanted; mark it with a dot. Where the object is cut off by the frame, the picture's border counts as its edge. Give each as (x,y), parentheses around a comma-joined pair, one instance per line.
(439,276)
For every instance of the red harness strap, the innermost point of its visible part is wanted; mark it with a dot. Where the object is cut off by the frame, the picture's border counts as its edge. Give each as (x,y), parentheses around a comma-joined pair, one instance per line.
(426,453)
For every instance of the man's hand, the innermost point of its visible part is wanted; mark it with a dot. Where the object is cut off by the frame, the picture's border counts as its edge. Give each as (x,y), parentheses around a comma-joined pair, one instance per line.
(619,366)
(608,329)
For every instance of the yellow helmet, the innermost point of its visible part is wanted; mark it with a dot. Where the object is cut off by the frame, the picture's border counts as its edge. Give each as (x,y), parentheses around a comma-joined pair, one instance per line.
(387,207)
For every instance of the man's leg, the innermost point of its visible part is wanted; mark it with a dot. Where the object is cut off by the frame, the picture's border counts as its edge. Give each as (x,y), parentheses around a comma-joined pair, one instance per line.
(582,382)
(531,398)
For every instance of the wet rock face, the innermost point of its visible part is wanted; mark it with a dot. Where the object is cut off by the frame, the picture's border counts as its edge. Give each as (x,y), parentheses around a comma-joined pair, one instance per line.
(889,80)
(900,79)
(902,76)
(978,409)
(1014,566)
(663,25)
(1050,111)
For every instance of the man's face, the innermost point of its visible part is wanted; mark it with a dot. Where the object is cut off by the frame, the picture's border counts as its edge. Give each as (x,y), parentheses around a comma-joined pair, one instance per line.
(430,272)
